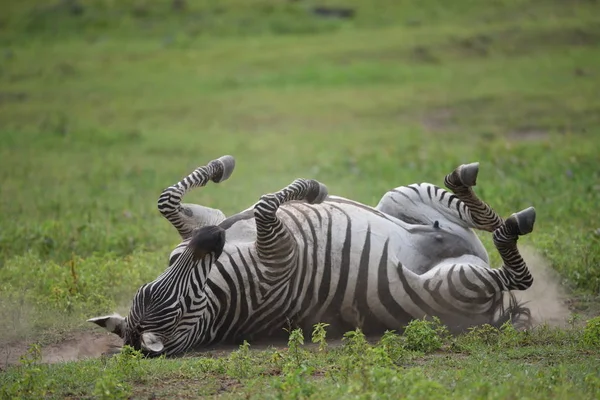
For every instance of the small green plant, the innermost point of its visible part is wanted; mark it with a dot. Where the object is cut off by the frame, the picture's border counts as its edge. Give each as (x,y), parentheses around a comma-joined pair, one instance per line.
(110,386)
(122,367)
(510,337)
(574,319)
(423,335)
(240,362)
(355,342)
(485,334)
(591,334)
(296,369)
(357,360)
(355,363)
(207,365)
(32,357)
(318,335)
(295,384)
(128,363)
(31,384)
(295,351)
(392,344)
(276,358)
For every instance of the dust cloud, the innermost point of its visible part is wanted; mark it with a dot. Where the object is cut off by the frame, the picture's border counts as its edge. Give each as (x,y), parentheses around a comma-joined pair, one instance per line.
(546,298)
(73,347)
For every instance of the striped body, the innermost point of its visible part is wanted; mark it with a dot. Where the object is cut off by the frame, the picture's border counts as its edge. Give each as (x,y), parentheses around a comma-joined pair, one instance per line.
(286,262)
(362,276)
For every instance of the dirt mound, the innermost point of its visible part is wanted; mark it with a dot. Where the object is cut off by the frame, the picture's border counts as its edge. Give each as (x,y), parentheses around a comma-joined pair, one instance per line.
(75,346)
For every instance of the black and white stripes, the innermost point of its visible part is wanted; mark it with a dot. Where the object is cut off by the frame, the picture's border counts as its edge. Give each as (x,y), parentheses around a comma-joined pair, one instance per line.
(186,218)
(299,257)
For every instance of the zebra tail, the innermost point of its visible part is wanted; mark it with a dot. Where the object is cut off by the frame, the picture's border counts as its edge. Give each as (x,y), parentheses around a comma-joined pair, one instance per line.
(515,312)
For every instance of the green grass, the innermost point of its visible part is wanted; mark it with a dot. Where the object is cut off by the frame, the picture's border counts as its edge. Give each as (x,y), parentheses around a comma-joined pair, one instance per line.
(423,362)
(100,111)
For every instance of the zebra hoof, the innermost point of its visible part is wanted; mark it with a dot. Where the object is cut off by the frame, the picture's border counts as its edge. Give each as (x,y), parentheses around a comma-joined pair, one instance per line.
(317,192)
(468,174)
(225,166)
(525,220)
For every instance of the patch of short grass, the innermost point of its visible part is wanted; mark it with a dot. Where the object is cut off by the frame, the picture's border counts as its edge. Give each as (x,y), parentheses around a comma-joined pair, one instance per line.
(93,130)
(487,362)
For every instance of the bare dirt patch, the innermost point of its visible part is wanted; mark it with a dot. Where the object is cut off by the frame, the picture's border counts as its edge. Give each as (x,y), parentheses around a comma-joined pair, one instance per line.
(13,97)
(439,120)
(451,118)
(73,347)
(528,135)
(519,41)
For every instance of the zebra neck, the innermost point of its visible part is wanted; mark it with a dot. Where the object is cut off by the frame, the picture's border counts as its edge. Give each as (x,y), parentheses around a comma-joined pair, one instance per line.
(186,271)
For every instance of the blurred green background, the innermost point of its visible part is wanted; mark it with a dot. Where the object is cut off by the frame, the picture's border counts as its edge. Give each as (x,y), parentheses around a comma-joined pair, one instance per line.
(105,103)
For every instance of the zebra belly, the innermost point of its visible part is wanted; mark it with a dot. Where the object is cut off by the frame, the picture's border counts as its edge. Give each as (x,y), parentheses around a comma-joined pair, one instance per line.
(427,247)
(352,258)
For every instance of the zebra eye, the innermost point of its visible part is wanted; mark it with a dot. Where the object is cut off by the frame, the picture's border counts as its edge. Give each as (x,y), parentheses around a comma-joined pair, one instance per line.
(436,224)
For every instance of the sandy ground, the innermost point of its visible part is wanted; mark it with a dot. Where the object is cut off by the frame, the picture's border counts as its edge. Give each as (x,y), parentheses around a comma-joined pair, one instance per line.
(546,298)
(75,346)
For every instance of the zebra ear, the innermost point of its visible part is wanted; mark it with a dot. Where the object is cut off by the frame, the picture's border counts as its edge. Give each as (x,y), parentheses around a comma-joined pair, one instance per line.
(112,323)
(152,343)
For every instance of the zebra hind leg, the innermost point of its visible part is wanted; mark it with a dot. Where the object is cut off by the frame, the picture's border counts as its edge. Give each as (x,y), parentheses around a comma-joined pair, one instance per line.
(188,217)
(460,182)
(274,243)
(514,273)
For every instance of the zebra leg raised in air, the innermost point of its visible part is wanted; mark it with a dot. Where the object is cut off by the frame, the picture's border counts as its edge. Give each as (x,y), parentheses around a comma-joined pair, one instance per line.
(464,292)
(274,243)
(424,203)
(188,217)
(461,182)
(514,272)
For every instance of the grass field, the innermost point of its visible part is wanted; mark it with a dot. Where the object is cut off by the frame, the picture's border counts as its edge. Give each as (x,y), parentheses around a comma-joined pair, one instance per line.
(105,103)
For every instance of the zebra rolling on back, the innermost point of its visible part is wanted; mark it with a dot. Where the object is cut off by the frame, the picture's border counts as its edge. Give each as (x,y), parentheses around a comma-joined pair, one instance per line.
(300,257)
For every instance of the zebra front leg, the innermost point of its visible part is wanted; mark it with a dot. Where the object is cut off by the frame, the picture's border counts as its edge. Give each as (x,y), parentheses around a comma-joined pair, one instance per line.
(460,182)
(274,243)
(514,273)
(188,217)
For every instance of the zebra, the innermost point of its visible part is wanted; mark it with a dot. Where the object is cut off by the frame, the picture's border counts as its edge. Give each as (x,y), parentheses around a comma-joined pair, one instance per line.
(300,256)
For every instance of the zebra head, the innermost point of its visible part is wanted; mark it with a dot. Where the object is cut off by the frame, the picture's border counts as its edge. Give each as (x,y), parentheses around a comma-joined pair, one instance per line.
(164,316)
